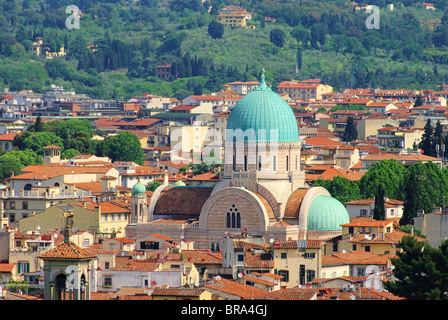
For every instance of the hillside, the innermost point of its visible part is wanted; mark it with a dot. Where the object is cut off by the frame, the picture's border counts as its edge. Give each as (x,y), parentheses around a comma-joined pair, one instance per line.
(327,39)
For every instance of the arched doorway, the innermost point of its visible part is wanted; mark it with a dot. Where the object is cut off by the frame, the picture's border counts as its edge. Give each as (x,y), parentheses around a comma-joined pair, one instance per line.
(60,287)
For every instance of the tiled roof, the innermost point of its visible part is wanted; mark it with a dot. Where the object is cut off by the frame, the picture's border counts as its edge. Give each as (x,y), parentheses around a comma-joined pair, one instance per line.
(7,267)
(44,172)
(289,294)
(127,264)
(182,200)
(322,142)
(235,288)
(360,293)
(293,244)
(404,157)
(7,136)
(184,292)
(68,250)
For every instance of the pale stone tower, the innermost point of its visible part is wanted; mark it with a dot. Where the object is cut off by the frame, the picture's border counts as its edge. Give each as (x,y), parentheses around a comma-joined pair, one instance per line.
(139,203)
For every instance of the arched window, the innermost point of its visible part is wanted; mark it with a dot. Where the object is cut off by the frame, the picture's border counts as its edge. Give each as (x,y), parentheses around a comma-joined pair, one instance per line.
(233,218)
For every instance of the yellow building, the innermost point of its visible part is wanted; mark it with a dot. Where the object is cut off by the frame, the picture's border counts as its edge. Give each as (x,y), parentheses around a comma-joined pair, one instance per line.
(104,217)
(368,235)
(232,20)
(299,262)
(192,140)
(303,90)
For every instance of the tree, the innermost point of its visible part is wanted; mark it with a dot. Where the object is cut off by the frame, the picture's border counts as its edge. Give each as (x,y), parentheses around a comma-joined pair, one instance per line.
(69,153)
(215,29)
(388,173)
(379,213)
(277,37)
(437,139)
(426,144)
(152,185)
(350,133)
(420,271)
(125,146)
(8,166)
(39,140)
(340,188)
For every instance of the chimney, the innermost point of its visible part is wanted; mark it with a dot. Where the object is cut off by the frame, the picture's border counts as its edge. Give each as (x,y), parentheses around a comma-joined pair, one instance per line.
(66,234)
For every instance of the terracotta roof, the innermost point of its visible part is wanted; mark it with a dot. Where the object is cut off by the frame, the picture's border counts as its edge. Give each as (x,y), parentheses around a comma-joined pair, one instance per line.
(127,264)
(7,267)
(294,293)
(207,176)
(235,288)
(294,203)
(67,250)
(182,201)
(44,172)
(321,142)
(293,244)
(8,136)
(404,157)
(184,292)
(52,146)
(360,293)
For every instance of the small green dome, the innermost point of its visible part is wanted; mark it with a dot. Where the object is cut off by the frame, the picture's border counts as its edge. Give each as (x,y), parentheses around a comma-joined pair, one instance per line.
(179,183)
(262,110)
(327,213)
(138,189)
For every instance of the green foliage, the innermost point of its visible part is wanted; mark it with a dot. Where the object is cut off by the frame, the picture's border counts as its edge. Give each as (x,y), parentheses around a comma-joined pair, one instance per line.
(38,140)
(277,37)
(215,30)
(388,173)
(420,271)
(125,146)
(379,212)
(69,153)
(8,166)
(152,185)
(340,188)
(350,132)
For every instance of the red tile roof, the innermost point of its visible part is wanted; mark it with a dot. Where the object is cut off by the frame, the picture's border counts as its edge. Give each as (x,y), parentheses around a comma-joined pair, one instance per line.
(67,250)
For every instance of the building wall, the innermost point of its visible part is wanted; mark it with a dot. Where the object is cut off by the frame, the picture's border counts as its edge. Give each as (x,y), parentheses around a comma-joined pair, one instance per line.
(293,259)
(433,226)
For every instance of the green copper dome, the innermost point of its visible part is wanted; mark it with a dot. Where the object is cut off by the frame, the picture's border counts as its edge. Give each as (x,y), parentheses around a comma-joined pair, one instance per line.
(179,183)
(138,189)
(327,213)
(262,116)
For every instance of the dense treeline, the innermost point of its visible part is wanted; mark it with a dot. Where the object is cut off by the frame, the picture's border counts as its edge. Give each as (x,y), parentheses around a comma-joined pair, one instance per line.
(327,40)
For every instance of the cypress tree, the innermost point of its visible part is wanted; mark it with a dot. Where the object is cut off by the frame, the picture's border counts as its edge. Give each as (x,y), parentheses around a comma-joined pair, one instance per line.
(379,213)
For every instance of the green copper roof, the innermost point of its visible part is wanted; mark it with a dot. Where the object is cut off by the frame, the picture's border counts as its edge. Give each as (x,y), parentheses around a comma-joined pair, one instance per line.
(179,183)
(262,116)
(138,188)
(327,213)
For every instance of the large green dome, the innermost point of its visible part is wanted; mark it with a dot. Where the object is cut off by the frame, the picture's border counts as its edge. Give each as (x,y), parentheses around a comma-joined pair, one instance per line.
(138,189)
(262,110)
(327,213)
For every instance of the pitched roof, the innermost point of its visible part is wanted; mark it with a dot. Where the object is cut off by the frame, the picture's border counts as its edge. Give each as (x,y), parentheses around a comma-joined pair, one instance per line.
(294,293)
(67,250)
(321,141)
(184,292)
(129,264)
(234,288)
